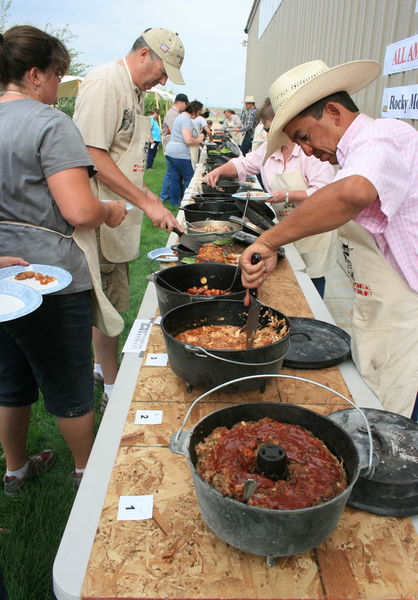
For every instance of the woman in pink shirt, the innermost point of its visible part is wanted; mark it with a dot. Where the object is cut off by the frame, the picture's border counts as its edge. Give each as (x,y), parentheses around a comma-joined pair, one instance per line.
(291,177)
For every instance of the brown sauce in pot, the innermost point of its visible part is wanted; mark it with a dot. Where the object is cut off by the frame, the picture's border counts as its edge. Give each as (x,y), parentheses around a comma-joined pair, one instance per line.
(227,458)
(230,337)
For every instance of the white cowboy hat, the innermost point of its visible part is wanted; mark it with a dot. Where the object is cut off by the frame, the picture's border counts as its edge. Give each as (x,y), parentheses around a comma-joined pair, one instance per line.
(249,99)
(309,82)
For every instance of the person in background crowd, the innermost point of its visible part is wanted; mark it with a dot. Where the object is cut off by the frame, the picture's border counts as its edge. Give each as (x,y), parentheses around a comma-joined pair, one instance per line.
(291,177)
(109,112)
(373,201)
(232,124)
(260,134)
(48,214)
(179,105)
(200,125)
(249,122)
(155,138)
(183,137)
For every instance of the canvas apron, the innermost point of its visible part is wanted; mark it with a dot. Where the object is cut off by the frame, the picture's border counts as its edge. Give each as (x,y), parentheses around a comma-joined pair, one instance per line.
(121,244)
(318,252)
(385,322)
(105,317)
(194,155)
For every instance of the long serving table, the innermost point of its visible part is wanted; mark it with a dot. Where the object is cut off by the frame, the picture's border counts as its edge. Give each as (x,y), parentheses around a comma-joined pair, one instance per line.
(173,554)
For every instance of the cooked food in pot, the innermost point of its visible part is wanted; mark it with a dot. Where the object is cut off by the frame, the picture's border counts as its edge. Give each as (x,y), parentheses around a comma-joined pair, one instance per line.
(210,228)
(230,337)
(205,291)
(214,253)
(228,457)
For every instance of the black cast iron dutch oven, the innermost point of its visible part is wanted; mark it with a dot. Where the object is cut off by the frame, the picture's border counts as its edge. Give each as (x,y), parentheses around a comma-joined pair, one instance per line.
(264,531)
(205,369)
(172,284)
(220,211)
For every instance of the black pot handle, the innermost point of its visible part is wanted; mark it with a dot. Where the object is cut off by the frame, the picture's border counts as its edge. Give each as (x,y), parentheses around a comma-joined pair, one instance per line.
(195,350)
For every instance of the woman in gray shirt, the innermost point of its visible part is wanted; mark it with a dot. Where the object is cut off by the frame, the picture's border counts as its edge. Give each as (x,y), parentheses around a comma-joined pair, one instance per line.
(44,196)
(177,152)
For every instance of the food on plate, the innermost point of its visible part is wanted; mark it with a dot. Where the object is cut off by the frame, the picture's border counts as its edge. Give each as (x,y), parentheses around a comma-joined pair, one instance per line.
(43,279)
(228,457)
(231,337)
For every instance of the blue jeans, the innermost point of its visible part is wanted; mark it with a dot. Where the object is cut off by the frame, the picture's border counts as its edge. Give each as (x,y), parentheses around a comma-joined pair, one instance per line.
(165,189)
(178,169)
(247,142)
(319,283)
(151,154)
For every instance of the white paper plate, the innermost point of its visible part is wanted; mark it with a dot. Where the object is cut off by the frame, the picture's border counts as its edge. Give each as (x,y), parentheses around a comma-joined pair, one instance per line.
(17,300)
(162,255)
(62,277)
(254,195)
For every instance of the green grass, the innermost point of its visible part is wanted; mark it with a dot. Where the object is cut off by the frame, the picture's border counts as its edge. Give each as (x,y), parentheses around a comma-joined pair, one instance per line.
(31,524)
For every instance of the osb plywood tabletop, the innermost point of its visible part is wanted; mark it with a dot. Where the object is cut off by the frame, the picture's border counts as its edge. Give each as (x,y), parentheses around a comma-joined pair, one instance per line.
(174,555)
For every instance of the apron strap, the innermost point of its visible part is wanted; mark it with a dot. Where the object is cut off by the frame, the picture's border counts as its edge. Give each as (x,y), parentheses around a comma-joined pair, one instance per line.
(22,224)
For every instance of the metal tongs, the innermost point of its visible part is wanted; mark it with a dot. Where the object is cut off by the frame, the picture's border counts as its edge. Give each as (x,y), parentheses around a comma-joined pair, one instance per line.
(250,327)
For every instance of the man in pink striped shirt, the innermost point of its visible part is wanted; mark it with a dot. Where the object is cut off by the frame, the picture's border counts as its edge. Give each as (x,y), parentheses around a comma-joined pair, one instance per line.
(373,203)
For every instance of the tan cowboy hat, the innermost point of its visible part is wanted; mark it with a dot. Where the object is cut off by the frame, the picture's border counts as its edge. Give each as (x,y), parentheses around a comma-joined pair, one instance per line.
(249,99)
(307,83)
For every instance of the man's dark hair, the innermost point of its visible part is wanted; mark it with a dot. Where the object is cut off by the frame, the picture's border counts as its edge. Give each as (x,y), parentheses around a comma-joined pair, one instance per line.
(316,109)
(266,112)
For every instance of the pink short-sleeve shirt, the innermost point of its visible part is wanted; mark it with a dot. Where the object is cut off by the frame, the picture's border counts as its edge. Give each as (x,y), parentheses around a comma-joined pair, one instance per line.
(385,152)
(315,173)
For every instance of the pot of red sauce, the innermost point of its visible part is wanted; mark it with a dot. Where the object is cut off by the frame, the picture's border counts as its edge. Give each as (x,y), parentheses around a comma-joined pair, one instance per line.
(265,531)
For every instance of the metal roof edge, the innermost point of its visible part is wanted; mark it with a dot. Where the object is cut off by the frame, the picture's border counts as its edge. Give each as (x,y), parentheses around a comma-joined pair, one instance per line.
(251,16)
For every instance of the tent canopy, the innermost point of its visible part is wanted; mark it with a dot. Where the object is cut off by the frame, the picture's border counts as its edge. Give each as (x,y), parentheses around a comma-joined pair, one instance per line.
(69,85)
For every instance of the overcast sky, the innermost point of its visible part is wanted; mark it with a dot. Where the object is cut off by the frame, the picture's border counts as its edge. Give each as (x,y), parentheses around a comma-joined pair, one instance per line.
(212,33)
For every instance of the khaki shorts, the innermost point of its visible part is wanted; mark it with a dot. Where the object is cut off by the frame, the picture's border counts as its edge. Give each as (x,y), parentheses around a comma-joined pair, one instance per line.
(115,280)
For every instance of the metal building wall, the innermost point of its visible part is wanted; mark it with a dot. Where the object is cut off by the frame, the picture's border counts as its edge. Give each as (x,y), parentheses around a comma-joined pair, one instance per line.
(335,31)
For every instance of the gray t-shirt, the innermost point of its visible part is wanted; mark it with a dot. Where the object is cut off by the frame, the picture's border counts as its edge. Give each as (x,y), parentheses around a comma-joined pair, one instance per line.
(37,141)
(177,147)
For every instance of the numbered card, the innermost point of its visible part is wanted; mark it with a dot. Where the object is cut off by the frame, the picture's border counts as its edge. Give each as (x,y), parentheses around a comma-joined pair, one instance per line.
(156,360)
(135,508)
(149,417)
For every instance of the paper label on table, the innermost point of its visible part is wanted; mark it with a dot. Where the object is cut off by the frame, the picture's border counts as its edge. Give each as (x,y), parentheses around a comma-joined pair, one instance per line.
(138,336)
(135,508)
(158,320)
(149,417)
(156,360)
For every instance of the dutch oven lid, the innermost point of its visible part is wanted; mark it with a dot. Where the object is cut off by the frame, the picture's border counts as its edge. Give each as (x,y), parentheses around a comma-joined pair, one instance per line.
(392,487)
(258,212)
(246,224)
(316,344)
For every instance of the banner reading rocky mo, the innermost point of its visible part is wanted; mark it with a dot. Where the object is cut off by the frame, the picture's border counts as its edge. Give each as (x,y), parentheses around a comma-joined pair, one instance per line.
(401,56)
(400,102)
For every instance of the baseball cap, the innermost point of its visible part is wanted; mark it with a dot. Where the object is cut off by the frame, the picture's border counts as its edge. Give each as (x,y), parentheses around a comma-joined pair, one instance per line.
(181,98)
(167,46)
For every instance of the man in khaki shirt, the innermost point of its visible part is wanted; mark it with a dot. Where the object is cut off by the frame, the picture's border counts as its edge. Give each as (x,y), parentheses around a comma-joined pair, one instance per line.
(108,111)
